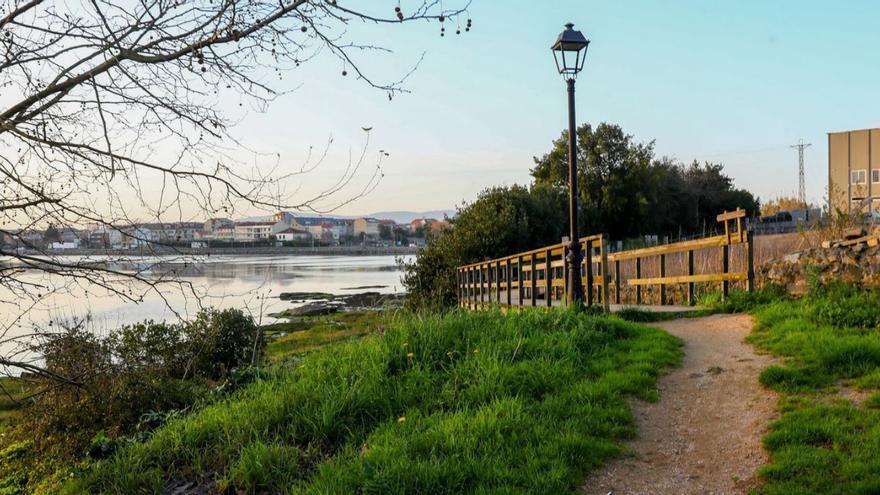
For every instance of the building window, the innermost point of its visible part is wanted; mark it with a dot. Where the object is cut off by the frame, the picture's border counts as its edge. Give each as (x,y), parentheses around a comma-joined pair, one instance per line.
(857,177)
(875,176)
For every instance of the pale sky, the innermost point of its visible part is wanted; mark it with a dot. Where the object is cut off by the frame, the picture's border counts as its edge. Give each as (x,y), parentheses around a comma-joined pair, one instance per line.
(735,82)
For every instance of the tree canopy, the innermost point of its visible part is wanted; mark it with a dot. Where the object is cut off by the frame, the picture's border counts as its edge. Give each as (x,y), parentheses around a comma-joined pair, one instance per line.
(625,191)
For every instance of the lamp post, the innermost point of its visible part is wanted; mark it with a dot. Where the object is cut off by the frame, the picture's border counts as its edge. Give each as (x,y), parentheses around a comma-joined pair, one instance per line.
(570,52)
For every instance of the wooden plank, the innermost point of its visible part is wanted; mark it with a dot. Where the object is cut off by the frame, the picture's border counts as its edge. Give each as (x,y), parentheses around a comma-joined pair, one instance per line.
(683,279)
(731,215)
(678,247)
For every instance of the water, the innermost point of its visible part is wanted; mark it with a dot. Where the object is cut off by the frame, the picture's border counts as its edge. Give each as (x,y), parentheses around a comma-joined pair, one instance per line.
(251,283)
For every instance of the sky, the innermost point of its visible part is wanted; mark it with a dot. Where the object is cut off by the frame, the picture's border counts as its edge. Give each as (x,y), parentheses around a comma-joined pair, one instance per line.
(735,82)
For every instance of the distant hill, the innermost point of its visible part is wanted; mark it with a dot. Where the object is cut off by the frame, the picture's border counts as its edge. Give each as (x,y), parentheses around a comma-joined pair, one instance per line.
(409,216)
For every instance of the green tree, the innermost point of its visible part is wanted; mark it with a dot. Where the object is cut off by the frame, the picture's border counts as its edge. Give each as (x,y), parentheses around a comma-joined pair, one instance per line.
(503,220)
(613,171)
(52,234)
(385,232)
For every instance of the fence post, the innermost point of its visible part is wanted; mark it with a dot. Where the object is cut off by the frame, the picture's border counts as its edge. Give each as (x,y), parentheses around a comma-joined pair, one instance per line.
(638,276)
(548,278)
(468,288)
(725,267)
(461,288)
(534,280)
(750,259)
(509,283)
(603,248)
(519,281)
(565,287)
(588,262)
(691,296)
(498,282)
(662,274)
(617,281)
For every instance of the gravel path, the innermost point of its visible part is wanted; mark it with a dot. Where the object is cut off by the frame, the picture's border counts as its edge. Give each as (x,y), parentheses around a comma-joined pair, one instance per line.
(704,434)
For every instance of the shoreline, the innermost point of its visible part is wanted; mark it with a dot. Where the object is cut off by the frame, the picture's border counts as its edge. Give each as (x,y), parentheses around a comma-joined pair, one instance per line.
(249,251)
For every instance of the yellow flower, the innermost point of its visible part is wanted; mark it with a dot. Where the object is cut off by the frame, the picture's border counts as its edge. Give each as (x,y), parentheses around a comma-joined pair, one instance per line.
(449,353)
(476,351)
(409,355)
(401,419)
(405,345)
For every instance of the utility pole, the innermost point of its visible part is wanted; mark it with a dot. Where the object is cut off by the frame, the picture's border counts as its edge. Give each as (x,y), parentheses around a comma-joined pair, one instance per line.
(802,186)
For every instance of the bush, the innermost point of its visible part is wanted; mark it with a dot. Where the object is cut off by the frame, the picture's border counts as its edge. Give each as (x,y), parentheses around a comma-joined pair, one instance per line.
(125,383)
(502,221)
(845,306)
(744,301)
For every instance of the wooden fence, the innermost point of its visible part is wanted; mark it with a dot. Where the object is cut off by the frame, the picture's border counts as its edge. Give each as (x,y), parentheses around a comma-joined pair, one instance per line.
(538,277)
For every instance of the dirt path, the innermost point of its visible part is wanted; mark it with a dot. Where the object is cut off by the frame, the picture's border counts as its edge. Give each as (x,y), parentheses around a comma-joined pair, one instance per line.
(704,434)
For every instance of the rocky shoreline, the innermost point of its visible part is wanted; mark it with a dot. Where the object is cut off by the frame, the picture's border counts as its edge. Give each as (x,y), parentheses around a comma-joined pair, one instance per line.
(324,303)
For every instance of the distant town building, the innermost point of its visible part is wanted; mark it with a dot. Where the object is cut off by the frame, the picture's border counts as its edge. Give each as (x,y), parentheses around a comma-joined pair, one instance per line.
(425,225)
(60,246)
(368,227)
(212,225)
(854,171)
(291,235)
(254,231)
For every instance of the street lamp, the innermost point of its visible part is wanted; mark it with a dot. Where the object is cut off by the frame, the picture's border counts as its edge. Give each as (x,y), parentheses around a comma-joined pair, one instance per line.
(570,52)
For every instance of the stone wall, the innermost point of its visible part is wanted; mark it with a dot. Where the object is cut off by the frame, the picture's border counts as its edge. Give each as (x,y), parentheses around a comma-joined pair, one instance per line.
(858,265)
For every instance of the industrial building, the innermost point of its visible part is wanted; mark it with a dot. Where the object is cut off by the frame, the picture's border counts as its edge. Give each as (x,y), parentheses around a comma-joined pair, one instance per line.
(854,171)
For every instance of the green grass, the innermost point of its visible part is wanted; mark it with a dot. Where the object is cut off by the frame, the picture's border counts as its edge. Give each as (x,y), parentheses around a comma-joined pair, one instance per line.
(823,443)
(523,402)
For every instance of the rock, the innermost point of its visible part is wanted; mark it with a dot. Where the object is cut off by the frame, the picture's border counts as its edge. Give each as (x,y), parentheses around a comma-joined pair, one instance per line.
(313,309)
(792,258)
(305,296)
(854,233)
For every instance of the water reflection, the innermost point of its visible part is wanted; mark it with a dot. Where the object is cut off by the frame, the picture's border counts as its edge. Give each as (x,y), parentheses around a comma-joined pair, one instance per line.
(252,283)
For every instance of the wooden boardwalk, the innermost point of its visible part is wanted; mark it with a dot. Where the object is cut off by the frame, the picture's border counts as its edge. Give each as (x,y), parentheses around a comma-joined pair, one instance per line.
(538,277)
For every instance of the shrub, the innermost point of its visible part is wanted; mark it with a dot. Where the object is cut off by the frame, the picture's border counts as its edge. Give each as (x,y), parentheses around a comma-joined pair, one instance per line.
(743,301)
(845,306)
(125,383)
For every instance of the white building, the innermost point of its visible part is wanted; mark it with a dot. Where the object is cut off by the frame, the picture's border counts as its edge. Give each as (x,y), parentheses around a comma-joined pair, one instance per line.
(291,234)
(254,231)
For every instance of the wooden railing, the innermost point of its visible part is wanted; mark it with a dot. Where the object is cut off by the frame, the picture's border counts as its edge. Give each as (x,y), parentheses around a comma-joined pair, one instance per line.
(538,277)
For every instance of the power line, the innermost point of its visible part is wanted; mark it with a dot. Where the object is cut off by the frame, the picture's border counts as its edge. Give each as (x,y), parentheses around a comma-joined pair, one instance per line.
(802,185)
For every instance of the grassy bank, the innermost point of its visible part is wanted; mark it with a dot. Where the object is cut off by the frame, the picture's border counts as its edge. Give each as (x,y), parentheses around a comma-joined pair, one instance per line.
(828,437)
(480,402)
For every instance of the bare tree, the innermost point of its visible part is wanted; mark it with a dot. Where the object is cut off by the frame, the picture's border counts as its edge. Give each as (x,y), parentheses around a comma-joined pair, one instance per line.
(100,97)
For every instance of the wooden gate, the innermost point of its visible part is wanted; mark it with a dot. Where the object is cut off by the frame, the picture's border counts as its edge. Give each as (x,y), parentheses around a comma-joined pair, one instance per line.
(538,277)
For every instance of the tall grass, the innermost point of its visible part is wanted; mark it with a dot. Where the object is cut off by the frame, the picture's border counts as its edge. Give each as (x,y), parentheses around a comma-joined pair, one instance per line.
(823,442)
(524,402)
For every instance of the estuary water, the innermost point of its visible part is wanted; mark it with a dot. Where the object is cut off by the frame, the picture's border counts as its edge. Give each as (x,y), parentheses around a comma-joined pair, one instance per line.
(252,283)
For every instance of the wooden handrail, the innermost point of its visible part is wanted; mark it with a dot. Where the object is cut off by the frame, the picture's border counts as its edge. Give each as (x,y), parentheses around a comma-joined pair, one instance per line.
(481,283)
